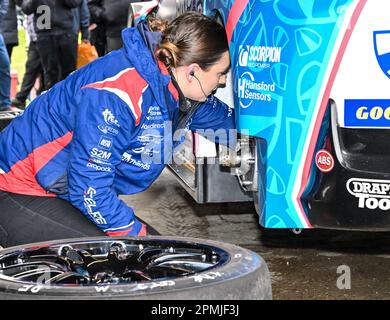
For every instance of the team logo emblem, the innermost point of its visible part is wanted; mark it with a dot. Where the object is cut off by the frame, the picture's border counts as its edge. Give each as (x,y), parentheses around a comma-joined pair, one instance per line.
(382,50)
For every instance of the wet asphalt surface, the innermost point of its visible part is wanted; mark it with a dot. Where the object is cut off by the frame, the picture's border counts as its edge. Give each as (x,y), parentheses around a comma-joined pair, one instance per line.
(312,265)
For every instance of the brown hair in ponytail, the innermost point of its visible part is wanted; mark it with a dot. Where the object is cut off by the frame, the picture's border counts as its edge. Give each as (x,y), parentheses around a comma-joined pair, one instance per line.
(157,25)
(192,38)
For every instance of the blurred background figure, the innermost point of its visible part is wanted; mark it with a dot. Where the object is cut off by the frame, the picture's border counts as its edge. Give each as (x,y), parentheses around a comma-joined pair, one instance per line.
(57,44)
(113,16)
(5,80)
(9,26)
(34,68)
(97,27)
(81,21)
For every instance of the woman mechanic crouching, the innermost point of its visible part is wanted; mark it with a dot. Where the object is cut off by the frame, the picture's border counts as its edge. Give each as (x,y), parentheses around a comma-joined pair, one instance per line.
(79,145)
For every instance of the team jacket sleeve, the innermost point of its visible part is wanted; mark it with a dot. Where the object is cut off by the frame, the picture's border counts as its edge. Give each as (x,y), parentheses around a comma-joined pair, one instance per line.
(100,138)
(216,121)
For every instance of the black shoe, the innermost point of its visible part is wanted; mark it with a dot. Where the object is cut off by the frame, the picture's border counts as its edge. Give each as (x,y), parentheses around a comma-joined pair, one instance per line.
(18,103)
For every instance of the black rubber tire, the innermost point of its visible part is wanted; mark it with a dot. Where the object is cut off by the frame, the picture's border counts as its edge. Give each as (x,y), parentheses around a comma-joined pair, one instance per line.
(7,116)
(244,276)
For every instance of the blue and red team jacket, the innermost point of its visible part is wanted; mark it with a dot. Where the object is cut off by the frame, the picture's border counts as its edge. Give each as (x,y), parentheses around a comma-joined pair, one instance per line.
(103,131)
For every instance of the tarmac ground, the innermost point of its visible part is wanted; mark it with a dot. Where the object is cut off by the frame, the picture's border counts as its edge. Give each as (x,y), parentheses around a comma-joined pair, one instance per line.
(317,264)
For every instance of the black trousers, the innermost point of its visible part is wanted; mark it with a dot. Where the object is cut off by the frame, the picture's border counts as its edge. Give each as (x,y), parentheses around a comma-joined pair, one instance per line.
(58,57)
(10,48)
(29,219)
(98,39)
(114,43)
(33,71)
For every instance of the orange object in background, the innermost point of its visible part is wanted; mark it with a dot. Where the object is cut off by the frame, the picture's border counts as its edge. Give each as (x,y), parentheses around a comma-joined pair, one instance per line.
(14,83)
(86,53)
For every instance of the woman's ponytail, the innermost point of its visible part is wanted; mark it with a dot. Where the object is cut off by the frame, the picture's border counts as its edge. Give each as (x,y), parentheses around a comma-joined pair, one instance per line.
(157,25)
(168,54)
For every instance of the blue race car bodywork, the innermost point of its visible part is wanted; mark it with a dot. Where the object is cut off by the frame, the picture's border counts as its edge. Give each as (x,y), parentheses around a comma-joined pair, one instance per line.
(310,85)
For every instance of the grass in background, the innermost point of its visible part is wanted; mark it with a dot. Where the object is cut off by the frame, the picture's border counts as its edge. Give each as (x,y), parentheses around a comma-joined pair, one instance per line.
(19,56)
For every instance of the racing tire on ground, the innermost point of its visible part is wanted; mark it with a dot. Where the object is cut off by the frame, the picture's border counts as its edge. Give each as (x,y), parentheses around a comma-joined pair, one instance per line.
(7,116)
(146,268)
